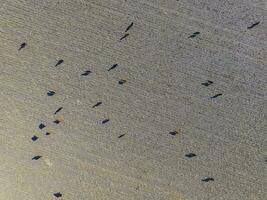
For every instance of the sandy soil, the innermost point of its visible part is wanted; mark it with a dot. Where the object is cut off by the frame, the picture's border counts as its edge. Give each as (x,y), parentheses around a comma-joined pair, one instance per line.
(162,131)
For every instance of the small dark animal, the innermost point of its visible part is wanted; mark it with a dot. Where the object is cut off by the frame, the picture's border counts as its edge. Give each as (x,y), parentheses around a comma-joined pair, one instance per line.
(50,93)
(34,138)
(207,83)
(129,27)
(36,157)
(58,110)
(105,121)
(190,155)
(59,62)
(86,73)
(97,104)
(207,179)
(125,36)
(47,133)
(194,34)
(253,25)
(57,121)
(23,45)
(122,135)
(122,82)
(57,194)
(41,126)
(215,96)
(173,132)
(113,67)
